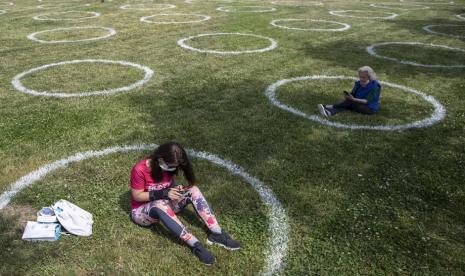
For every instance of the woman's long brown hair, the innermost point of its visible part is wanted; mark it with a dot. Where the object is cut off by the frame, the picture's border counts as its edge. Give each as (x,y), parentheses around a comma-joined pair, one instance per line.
(171,153)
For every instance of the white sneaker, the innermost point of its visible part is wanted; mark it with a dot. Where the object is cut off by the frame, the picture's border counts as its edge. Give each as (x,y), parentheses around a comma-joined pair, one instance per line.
(323,110)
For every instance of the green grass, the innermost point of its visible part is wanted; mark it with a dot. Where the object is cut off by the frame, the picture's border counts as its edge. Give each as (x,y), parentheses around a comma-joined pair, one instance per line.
(357,201)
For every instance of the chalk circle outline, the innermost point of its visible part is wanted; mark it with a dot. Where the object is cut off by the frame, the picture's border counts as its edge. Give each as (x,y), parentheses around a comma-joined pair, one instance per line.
(59,5)
(145,18)
(296,3)
(461,16)
(429,3)
(371,50)
(338,13)
(234,9)
(344,28)
(20,87)
(111,32)
(398,6)
(39,17)
(166,7)
(273,45)
(438,114)
(428,29)
(276,249)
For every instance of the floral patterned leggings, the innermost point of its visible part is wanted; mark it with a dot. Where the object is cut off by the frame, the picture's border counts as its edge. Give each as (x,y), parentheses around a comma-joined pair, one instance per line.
(166,209)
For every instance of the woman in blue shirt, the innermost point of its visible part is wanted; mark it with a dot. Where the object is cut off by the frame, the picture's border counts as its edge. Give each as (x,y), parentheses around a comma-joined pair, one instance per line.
(364,97)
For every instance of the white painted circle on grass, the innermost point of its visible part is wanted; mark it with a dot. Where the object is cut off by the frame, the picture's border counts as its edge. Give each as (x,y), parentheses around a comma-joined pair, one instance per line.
(343,14)
(428,29)
(143,7)
(371,50)
(343,28)
(110,31)
(251,9)
(438,114)
(147,18)
(61,5)
(6,4)
(182,43)
(19,86)
(41,17)
(399,6)
(297,3)
(429,3)
(2,12)
(461,16)
(276,248)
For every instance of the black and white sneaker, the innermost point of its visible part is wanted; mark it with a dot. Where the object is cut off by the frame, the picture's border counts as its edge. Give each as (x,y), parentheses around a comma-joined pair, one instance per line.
(203,254)
(223,240)
(325,112)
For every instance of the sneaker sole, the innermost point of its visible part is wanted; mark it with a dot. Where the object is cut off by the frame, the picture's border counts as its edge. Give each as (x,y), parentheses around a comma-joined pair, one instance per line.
(322,110)
(220,244)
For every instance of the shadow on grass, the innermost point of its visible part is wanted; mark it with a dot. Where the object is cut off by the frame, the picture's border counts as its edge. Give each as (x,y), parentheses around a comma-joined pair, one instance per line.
(396,214)
(19,257)
(337,53)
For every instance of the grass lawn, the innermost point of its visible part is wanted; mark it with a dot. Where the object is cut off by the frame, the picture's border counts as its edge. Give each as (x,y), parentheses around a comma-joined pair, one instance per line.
(356,201)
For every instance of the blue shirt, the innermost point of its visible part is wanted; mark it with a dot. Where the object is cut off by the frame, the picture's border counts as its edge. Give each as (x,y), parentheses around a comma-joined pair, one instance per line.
(370,92)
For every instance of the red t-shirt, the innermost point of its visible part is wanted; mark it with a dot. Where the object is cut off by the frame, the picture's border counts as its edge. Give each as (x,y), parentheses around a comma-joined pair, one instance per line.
(142,180)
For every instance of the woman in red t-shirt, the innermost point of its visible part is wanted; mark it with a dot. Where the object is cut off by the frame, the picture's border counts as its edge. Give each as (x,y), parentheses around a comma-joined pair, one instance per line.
(155,197)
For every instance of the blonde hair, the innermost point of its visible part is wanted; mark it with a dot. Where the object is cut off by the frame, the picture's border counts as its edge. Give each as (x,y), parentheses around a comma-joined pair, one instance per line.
(367,69)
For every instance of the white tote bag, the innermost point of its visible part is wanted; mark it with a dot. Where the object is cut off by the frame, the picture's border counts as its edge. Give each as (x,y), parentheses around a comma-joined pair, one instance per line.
(74,219)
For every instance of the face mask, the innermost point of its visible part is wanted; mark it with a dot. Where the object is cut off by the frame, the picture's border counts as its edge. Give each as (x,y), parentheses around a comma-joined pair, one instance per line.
(166,168)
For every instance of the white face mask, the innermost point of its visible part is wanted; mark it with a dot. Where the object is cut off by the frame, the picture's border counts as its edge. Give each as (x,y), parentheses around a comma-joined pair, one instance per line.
(165,167)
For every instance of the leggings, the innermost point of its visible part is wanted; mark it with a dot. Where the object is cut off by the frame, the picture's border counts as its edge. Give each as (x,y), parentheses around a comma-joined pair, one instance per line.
(165,210)
(350,105)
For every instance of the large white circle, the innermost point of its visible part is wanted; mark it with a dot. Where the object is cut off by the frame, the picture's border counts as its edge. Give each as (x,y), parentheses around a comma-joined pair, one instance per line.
(146,18)
(273,45)
(61,5)
(253,9)
(428,29)
(342,13)
(429,3)
(19,86)
(399,6)
(461,16)
(297,3)
(141,7)
(40,17)
(438,114)
(371,50)
(110,31)
(279,229)
(344,25)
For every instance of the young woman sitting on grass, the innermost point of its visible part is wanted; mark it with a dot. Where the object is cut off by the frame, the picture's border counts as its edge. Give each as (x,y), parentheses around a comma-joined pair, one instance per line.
(154,198)
(363,99)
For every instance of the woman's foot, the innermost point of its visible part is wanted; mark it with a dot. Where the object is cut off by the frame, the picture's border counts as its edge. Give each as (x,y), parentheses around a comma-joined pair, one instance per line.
(203,254)
(324,110)
(224,240)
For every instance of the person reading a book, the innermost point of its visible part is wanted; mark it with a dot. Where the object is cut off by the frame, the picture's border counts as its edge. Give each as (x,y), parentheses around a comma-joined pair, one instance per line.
(363,98)
(155,197)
